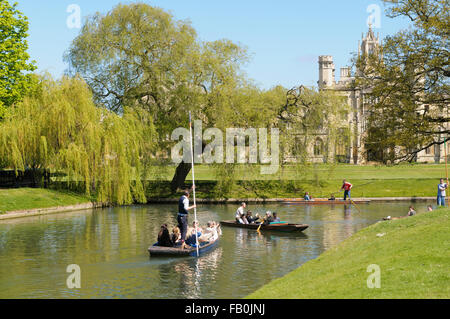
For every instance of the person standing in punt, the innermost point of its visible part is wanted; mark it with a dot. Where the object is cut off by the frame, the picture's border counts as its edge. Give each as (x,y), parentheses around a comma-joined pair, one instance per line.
(183,211)
(346,186)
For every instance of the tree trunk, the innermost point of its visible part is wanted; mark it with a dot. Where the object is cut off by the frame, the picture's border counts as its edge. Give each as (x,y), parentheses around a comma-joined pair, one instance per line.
(181,173)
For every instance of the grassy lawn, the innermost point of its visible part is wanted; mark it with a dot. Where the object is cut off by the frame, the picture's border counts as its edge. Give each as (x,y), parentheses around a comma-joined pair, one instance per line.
(407,180)
(29,198)
(412,255)
(321,171)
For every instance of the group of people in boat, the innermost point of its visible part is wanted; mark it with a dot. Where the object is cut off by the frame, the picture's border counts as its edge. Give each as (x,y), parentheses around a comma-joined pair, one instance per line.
(183,236)
(243,217)
(194,234)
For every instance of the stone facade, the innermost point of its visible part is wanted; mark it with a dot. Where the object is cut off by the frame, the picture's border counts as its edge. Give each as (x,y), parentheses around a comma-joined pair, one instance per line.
(354,150)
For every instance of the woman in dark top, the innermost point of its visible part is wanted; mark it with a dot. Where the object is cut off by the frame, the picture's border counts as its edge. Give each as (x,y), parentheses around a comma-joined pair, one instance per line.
(250,218)
(164,237)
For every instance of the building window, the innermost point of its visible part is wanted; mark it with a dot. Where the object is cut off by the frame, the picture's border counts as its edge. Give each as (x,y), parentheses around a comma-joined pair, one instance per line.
(318,147)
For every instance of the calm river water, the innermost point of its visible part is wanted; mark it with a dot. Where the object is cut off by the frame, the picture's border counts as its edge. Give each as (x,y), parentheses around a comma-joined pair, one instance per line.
(110,246)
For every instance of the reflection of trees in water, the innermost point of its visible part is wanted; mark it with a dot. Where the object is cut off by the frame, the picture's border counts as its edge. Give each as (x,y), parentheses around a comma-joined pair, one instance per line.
(193,274)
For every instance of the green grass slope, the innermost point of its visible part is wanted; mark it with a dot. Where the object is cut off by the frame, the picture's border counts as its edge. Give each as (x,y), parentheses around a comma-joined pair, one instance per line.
(30,198)
(413,255)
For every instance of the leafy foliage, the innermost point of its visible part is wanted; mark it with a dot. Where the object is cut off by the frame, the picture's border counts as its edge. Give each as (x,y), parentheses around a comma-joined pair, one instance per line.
(407,82)
(14,81)
(58,127)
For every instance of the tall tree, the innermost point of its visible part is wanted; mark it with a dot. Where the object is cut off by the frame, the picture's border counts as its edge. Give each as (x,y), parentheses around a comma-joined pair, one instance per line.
(14,65)
(58,127)
(408,82)
(139,55)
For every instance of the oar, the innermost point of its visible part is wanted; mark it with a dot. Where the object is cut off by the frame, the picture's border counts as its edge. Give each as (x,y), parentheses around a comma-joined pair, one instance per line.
(193,180)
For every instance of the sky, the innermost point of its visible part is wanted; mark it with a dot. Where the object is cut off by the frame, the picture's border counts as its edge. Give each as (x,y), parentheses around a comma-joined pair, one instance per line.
(284,37)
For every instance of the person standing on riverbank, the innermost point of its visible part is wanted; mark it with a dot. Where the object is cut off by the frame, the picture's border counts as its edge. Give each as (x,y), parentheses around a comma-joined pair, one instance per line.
(441,192)
(346,186)
(183,210)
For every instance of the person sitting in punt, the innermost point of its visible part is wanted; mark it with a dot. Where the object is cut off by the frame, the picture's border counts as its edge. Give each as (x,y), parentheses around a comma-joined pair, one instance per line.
(276,218)
(268,219)
(332,197)
(430,208)
(307,197)
(219,228)
(164,239)
(191,238)
(211,232)
(176,237)
(250,219)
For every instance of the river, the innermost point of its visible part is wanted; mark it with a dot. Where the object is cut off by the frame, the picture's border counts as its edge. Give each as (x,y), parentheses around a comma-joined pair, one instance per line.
(110,247)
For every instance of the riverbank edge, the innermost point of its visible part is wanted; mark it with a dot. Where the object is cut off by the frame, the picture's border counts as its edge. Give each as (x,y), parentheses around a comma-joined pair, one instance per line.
(90,205)
(49,210)
(281,200)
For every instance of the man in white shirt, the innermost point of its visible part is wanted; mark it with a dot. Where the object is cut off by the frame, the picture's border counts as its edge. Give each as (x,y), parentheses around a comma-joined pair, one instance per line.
(240,214)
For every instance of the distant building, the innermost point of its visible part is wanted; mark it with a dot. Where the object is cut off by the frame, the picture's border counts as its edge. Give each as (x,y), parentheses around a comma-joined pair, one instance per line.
(353,150)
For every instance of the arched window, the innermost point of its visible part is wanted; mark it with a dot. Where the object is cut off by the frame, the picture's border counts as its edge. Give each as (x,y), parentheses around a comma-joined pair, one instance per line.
(318,147)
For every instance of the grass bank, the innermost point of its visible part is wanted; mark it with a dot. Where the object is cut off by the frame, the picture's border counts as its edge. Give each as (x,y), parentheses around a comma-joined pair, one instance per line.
(30,198)
(412,254)
(285,189)
(407,180)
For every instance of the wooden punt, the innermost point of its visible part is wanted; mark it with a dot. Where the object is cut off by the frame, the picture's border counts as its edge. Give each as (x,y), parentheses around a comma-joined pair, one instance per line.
(323,201)
(283,227)
(156,250)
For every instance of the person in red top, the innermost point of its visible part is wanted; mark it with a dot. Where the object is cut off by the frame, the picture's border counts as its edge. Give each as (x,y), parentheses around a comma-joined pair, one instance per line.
(346,186)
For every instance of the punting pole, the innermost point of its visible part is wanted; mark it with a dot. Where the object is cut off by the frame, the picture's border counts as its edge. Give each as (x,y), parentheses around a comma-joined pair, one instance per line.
(193,178)
(445,154)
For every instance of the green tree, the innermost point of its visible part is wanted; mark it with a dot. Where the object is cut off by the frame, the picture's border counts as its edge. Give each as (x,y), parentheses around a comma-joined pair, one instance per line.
(14,65)
(57,127)
(407,82)
(307,114)
(139,56)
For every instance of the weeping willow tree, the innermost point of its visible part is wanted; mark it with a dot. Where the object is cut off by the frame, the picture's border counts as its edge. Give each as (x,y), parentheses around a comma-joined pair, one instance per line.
(59,128)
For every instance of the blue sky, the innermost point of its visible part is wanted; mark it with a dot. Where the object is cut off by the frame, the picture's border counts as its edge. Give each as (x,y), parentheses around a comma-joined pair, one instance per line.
(284,37)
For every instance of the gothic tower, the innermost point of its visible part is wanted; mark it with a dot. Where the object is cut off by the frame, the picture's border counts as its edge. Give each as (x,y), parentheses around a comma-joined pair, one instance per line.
(326,71)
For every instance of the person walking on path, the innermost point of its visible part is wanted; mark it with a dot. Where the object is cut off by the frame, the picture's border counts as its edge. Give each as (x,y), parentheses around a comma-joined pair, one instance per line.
(441,192)
(346,186)
(183,210)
